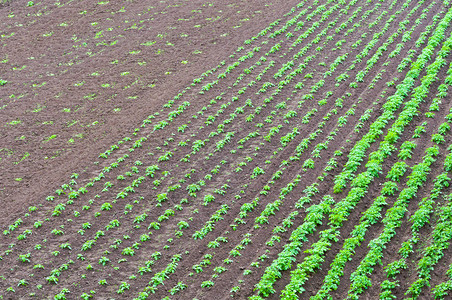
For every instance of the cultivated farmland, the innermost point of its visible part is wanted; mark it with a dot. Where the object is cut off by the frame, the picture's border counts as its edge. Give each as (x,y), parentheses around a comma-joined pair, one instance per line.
(226,149)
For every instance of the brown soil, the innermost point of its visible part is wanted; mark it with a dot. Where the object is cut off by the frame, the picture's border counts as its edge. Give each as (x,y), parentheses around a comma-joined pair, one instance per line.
(81,78)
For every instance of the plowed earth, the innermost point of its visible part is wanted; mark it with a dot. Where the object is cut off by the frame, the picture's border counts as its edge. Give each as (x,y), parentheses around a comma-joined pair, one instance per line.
(200,117)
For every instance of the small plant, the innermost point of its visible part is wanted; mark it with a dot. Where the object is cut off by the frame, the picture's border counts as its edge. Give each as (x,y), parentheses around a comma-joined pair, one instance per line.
(208,199)
(103,260)
(256,172)
(52,279)
(123,287)
(389,188)
(438,139)
(22,282)
(86,296)
(25,258)
(207,284)
(66,246)
(128,251)
(178,287)
(406,150)
(308,164)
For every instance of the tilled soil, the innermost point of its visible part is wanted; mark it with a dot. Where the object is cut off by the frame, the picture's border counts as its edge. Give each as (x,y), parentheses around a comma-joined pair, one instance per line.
(172,149)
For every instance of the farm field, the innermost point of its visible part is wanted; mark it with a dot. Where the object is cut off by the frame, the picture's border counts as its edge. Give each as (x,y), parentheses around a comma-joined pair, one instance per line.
(254,150)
